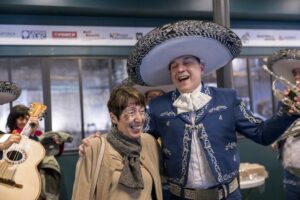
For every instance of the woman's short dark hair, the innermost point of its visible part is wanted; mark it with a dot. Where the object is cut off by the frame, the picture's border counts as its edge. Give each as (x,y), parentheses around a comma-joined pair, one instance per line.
(16,112)
(120,96)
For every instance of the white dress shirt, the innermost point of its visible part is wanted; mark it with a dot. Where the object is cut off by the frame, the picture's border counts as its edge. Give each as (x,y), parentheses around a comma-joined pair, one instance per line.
(199,173)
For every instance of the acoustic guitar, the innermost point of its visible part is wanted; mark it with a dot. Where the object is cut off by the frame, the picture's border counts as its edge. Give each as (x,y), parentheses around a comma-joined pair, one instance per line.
(19,176)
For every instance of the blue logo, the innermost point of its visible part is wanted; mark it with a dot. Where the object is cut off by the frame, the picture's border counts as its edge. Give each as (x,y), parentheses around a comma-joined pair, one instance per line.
(34,35)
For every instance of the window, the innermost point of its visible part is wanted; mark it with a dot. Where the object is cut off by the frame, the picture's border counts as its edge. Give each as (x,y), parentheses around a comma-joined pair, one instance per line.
(96,91)
(65,102)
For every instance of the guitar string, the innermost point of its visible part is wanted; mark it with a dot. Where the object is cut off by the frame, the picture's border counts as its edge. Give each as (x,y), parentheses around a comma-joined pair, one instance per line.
(17,149)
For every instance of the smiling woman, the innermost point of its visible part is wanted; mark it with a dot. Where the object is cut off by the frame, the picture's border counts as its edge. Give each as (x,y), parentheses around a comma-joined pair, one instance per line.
(130,167)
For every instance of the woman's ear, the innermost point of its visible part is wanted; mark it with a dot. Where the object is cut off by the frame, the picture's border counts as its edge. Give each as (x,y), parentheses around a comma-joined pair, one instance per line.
(113,118)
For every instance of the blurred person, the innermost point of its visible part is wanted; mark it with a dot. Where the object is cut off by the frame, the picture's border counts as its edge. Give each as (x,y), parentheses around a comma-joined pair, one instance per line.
(286,62)
(18,118)
(152,93)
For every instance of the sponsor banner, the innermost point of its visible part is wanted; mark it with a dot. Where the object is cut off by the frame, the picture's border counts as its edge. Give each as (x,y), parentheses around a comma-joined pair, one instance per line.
(64,34)
(268,37)
(70,35)
(125,36)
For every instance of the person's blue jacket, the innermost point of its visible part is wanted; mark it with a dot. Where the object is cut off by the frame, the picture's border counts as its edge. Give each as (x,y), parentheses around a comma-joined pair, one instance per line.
(216,124)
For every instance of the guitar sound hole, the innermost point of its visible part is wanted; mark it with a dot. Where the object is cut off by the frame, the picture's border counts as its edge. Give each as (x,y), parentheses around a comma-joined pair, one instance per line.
(14,155)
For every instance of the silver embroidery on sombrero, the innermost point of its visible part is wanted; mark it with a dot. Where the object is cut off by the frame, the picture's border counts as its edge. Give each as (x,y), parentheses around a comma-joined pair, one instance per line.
(207,146)
(284,54)
(186,28)
(9,87)
(247,115)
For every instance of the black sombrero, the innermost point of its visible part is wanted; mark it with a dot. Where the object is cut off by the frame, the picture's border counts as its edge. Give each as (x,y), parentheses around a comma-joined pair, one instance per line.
(8,92)
(214,44)
(284,61)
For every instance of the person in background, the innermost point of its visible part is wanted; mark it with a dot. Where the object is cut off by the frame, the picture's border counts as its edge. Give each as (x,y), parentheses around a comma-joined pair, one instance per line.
(152,93)
(18,118)
(289,147)
(130,163)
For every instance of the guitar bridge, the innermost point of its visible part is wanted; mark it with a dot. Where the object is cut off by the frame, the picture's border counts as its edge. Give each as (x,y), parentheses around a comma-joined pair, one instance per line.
(10,182)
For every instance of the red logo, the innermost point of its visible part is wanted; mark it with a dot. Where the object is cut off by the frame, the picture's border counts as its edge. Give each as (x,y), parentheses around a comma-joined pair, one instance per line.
(64,34)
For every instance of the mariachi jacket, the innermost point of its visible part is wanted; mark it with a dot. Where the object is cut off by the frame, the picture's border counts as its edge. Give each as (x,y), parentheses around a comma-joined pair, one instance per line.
(216,123)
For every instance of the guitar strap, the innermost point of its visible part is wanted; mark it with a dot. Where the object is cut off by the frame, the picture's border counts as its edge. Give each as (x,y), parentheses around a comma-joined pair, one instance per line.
(97,170)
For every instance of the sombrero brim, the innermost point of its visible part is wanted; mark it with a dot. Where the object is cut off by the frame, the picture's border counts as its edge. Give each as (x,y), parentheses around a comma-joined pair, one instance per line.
(213,44)
(144,89)
(284,61)
(8,92)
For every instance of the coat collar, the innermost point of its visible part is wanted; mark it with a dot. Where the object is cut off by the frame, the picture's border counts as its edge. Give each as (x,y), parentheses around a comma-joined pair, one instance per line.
(199,113)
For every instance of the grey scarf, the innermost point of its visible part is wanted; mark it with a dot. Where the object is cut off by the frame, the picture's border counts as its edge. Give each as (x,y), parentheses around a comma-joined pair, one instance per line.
(130,149)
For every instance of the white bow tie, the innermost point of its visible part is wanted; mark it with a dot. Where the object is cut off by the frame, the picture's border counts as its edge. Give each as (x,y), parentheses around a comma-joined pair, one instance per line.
(188,102)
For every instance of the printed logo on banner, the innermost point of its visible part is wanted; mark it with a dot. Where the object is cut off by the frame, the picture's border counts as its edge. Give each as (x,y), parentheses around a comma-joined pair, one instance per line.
(120,36)
(7,34)
(64,34)
(138,35)
(34,34)
(245,37)
(89,34)
(287,37)
(265,37)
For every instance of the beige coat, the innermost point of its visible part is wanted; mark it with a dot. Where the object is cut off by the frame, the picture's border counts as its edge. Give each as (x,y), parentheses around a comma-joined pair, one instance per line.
(86,165)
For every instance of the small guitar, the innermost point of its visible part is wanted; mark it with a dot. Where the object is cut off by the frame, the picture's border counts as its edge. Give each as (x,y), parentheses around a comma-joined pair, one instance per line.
(19,177)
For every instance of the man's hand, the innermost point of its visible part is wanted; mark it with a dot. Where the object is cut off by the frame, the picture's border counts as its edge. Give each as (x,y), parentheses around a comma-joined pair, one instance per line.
(296,110)
(13,138)
(86,142)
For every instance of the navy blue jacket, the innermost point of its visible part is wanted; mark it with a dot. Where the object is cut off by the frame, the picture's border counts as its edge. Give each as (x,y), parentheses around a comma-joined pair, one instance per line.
(216,124)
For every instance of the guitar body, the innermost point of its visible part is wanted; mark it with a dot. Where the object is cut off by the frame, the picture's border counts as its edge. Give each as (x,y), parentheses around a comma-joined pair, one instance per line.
(24,173)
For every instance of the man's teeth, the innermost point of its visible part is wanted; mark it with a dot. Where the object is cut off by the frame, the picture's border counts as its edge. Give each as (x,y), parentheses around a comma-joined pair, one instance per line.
(183,78)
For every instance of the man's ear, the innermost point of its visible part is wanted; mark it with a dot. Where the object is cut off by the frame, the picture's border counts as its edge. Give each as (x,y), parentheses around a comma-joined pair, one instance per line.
(202,68)
(113,118)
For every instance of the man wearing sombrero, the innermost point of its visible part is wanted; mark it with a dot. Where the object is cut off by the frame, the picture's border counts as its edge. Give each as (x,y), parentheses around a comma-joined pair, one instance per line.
(8,92)
(286,63)
(197,124)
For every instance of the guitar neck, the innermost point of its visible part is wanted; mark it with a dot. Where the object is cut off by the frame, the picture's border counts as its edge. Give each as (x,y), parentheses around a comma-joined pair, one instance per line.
(27,129)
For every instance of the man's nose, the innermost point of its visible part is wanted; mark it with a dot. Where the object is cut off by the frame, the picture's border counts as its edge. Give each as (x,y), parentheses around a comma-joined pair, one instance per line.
(181,68)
